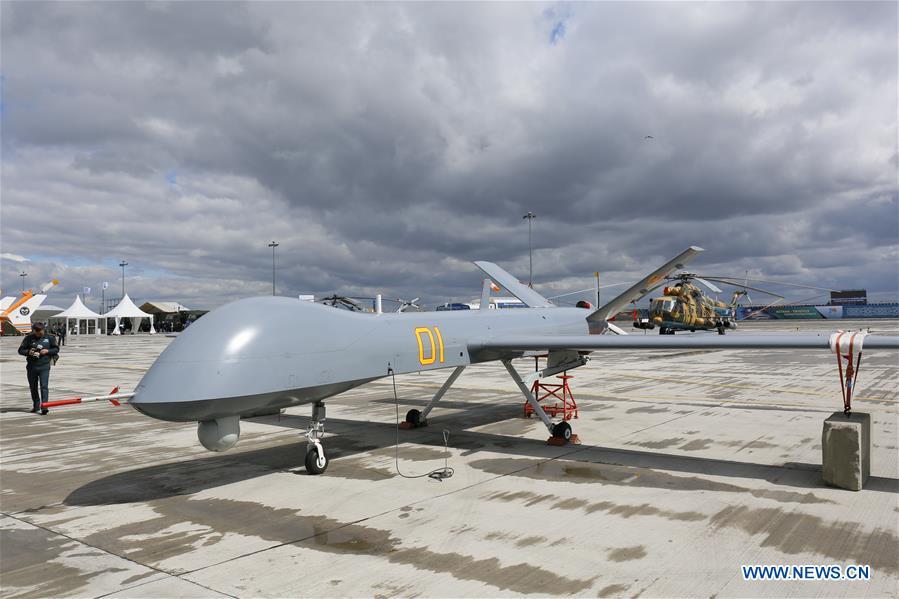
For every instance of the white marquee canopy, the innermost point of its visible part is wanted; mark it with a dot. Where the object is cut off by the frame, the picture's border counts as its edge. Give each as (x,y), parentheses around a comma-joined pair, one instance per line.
(127,309)
(78,312)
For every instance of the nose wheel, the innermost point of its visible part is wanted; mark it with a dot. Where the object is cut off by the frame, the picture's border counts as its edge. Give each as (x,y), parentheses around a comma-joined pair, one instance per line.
(316,459)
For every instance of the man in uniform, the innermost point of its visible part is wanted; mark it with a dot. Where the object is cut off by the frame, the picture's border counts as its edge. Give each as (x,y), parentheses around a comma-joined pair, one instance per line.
(39,349)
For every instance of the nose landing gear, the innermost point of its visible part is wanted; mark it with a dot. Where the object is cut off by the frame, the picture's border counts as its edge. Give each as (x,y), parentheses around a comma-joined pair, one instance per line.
(316,460)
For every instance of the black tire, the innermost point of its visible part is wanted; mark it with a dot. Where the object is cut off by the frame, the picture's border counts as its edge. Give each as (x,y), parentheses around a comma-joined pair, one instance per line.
(413,417)
(312,462)
(663,331)
(720,330)
(562,430)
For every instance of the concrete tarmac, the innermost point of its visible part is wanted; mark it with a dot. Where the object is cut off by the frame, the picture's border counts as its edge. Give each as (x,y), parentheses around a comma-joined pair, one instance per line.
(693,463)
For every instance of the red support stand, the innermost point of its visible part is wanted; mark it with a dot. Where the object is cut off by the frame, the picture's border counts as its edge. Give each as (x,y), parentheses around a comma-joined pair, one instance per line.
(564,400)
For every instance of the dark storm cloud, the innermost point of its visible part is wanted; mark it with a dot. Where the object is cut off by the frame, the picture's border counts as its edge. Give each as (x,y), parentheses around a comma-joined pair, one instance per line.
(386,145)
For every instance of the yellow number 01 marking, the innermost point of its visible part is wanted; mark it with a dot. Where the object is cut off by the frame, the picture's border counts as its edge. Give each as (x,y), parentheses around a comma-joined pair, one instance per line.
(432,357)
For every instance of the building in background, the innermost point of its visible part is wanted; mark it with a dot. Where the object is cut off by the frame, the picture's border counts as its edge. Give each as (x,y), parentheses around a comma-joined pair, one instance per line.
(849,297)
(171,316)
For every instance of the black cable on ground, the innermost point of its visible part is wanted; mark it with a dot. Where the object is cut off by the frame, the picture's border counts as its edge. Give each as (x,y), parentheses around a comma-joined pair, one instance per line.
(440,473)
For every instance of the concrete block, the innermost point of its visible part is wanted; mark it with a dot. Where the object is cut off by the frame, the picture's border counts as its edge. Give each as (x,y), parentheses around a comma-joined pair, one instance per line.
(846,450)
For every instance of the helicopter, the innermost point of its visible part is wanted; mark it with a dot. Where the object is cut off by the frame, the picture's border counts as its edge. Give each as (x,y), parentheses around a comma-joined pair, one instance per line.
(684,306)
(352,304)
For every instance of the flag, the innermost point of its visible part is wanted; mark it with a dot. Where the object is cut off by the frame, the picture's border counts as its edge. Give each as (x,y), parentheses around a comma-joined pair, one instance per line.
(87,291)
(105,284)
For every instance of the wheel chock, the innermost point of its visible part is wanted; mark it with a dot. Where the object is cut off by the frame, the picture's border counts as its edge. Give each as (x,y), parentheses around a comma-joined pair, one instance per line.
(559,441)
(409,426)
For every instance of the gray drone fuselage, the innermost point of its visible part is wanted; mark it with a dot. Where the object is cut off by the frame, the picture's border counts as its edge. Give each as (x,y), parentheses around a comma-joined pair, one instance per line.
(258,355)
(267,353)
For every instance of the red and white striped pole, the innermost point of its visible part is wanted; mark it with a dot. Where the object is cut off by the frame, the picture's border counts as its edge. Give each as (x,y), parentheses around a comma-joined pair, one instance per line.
(114,397)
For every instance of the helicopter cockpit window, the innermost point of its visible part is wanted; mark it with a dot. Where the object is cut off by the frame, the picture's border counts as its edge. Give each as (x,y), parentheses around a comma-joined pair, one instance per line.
(662,305)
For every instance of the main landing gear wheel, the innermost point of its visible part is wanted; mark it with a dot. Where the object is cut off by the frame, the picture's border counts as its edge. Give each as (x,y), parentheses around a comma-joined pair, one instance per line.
(413,417)
(562,430)
(316,460)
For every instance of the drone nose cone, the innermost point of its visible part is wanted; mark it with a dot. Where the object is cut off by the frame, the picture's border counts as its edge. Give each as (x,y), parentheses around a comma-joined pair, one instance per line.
(223,354)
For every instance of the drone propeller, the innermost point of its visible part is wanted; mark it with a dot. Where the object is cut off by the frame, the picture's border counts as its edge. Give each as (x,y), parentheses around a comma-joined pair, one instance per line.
(405,305)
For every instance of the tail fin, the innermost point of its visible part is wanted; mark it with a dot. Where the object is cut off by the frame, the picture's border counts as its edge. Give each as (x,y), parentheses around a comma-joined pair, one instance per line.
(16,318)
(527,295)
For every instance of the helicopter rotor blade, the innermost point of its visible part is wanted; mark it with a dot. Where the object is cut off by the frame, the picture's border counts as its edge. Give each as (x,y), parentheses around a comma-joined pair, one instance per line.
(708,284)
(741,285)
(738,282)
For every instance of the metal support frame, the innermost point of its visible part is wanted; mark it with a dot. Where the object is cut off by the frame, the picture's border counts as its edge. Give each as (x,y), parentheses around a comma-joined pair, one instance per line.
(535,405)
(441,392)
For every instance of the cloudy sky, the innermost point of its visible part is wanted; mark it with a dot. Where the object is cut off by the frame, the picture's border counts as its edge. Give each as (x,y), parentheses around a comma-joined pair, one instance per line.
(385,146)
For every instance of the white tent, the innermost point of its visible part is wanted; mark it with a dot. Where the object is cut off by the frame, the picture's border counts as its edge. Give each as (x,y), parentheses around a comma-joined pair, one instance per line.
(127,309)
(79,312)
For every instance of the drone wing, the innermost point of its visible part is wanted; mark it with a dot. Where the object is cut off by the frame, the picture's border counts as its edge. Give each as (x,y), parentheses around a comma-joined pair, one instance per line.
(641,288)
(588,343)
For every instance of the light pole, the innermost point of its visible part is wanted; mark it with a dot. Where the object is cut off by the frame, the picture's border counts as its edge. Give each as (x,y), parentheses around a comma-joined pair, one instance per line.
(23,274)
(273,245)
(123,264)
(530,216)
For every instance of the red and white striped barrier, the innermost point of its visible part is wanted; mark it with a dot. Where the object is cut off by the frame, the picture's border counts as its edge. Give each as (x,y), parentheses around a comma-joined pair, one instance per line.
(114,397)
(848,348)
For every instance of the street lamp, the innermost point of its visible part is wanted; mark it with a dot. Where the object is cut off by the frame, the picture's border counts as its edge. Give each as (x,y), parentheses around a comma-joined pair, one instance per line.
(530,216)
(273,245)
(23,274)
(123,264)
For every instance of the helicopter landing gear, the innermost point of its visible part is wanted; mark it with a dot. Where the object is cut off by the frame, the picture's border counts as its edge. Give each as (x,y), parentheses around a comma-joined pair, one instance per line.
(316,460)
